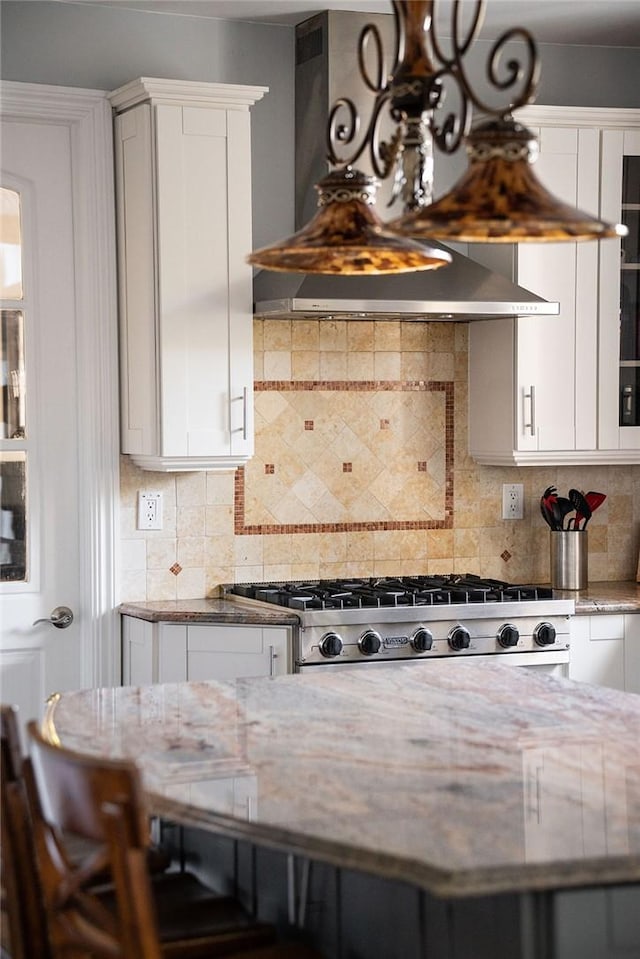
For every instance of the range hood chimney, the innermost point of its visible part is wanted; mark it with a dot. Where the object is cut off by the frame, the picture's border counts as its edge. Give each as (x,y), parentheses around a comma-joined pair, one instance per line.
(326,68)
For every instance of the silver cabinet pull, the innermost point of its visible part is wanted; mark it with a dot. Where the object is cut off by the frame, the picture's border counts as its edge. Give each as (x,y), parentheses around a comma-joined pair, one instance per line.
(245,394)
(531,395)
(61,617)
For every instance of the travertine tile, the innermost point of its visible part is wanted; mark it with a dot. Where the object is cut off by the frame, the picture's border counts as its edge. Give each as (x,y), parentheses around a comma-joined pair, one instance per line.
(305,365)
(305,335)
(333,365)
(191,584)
(333,335)
(387,365)
(277,365)
(348,468)
(190,489)
(360,336)
(161,584)
(277,335)
(133,554)
(133,586)
(191,551)
(220,488)
(191,520)
(387,336)
(161,553)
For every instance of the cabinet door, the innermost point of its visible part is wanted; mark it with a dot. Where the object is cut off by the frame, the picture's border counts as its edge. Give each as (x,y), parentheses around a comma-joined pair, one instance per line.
(619,419)
(204,294)
(556,355)
(597,650)
(632,653)
(184,228)
(532,380)
(232,652)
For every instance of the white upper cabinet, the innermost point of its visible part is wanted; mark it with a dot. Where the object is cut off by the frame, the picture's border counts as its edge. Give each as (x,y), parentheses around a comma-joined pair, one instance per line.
(183,181)
(619,413)
(547,390)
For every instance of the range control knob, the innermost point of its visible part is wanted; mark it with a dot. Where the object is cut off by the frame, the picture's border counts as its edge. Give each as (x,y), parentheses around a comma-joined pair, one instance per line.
(370,642)
(459,638)
(544,634)
(330,645)
(421,639)
(508,635)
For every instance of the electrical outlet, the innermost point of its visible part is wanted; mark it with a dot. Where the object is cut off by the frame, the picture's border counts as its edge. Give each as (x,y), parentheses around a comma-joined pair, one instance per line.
(149,510)
(512,500)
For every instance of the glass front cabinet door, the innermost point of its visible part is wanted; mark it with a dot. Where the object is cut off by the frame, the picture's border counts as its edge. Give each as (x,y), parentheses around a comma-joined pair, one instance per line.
(619,412)
(14,308)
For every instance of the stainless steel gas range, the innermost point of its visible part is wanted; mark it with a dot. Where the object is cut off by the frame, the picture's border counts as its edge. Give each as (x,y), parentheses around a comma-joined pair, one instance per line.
(345,623)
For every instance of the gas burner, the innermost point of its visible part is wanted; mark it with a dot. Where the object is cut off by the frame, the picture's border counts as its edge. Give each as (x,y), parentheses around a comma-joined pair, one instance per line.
(379,592)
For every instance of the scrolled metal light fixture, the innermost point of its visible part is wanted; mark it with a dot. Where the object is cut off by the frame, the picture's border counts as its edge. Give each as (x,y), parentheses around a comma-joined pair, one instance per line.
(497,200)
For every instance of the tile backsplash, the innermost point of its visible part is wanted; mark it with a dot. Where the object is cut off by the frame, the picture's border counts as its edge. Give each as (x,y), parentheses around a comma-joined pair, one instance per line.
(361,468)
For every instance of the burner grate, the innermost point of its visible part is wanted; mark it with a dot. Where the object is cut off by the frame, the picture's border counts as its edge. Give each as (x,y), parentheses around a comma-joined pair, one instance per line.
(385,592)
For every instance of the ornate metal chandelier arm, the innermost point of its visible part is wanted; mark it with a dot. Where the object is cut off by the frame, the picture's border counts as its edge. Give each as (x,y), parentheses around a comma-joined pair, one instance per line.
(515,74)
(382,154)
(460,48)
(525,72)
(371,34)
(449,134)
(343,128)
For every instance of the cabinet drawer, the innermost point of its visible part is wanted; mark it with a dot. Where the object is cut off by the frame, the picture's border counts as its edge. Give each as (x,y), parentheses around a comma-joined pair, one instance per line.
(223,639)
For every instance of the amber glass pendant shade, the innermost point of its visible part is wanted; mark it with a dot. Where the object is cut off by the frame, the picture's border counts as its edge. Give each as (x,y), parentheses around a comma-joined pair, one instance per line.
(499,199)
(346,236)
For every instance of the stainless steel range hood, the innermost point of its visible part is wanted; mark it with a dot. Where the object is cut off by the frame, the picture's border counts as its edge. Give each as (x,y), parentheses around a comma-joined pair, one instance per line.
(463,290)
(326,68)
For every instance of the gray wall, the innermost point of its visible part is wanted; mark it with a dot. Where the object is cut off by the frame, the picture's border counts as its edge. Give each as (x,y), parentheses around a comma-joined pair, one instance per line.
(102,47)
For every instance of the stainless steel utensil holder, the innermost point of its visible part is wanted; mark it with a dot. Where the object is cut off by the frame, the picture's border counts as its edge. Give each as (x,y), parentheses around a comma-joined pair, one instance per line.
(569,556)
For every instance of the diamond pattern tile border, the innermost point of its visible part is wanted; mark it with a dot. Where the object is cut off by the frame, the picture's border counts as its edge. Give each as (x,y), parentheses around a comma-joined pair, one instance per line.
(397,437)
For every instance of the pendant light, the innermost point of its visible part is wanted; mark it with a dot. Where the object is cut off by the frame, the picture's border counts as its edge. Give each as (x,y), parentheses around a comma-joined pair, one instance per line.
(346,236)
(499,199)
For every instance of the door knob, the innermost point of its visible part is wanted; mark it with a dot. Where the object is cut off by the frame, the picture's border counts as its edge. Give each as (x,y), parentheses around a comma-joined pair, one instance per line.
(61,617)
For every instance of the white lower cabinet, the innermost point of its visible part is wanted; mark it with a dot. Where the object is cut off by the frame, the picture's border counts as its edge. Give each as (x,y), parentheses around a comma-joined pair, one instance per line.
(177,652)
(605,650)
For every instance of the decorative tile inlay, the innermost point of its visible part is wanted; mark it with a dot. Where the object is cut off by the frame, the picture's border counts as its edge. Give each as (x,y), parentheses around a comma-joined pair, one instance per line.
(384,490)
(505,555)
(175,569)
(308,424)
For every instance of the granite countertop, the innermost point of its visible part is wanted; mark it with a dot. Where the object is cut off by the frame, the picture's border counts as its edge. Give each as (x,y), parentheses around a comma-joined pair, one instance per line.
(622,597)
(462,779)
(208,611)
(597,598)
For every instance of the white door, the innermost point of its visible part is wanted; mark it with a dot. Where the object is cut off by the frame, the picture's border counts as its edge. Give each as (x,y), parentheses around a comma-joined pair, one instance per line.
(58,448)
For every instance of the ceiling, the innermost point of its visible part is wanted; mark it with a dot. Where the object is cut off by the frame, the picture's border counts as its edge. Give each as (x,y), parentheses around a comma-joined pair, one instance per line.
(599,22)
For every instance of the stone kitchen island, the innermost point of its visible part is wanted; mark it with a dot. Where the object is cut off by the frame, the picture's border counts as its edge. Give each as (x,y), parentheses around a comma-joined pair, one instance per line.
(463,811)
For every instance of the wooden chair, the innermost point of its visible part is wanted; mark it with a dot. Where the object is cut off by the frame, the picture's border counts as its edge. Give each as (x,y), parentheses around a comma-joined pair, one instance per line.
(22,904)
(101,801)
